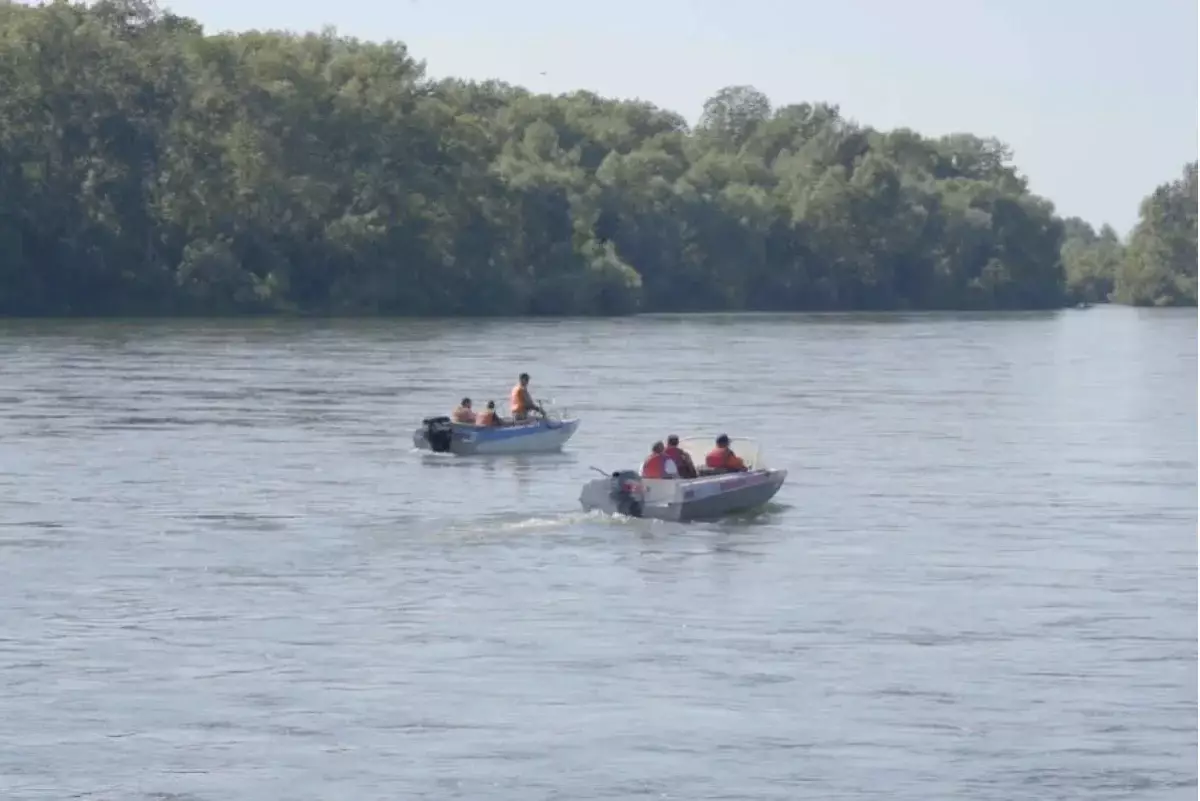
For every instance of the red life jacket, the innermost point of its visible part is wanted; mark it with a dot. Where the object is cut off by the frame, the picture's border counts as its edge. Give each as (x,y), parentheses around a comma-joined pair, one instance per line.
(655,466)
(723,459)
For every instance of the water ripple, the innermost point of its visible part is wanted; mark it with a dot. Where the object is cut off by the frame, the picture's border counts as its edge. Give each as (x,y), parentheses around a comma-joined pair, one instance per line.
(227,576)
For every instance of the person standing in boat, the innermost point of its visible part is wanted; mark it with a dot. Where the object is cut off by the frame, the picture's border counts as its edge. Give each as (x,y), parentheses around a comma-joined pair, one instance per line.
(463,413)
(687,468)
(723,459)
(658,464)
(521,402)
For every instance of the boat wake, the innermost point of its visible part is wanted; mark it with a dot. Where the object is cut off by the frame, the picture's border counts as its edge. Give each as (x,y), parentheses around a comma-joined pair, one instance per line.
(517,522)
(508,523)
(545,522)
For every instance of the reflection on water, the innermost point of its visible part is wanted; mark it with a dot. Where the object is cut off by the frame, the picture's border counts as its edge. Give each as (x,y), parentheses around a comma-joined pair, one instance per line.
(227,574)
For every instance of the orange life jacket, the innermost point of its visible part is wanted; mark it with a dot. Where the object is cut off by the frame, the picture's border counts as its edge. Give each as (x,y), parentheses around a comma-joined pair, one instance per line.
(723,459)
(463,415)
(516,400)
(655,466)
(486,418)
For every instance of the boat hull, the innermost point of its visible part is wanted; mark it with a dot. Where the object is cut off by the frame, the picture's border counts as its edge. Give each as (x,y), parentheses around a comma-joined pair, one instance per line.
(682,500)
(540,436)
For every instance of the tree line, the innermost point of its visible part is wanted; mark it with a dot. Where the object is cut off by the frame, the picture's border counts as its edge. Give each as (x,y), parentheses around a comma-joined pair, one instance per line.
(1156,267)
(148,168)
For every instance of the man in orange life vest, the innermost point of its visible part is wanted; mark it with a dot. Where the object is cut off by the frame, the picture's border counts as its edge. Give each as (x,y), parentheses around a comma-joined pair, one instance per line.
(723,458)
(521,402)
(658,464)
(687,468)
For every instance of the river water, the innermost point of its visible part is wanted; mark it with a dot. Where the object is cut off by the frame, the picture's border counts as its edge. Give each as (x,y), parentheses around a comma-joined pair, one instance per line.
(225,575)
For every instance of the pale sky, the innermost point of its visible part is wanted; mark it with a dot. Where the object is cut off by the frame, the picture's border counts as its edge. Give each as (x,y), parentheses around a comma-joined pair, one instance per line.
(1098,99)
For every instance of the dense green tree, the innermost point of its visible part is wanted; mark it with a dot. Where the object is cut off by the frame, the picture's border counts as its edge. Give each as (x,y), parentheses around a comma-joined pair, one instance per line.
(148,168)
(1091,261)
(1159,268)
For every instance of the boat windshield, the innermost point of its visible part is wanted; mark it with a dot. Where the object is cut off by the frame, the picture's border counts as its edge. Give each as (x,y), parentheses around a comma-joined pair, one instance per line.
(749,450)
(554,411)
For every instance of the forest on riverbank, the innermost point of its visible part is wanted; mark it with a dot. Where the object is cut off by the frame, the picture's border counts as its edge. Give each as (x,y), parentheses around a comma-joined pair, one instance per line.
(148,168)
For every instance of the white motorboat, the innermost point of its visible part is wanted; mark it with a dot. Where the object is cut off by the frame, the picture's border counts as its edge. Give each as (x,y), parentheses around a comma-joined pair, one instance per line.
(537,435)
(709,496)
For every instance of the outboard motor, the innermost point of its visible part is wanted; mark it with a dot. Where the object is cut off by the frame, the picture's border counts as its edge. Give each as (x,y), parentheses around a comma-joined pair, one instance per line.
(625,493)
(439,432)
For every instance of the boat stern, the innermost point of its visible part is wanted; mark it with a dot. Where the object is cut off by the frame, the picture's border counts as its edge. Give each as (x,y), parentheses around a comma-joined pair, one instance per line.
(621,493)
(419,440)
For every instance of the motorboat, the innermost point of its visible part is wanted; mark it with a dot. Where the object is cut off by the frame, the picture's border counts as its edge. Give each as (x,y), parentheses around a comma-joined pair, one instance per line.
(709,496)
(536,435)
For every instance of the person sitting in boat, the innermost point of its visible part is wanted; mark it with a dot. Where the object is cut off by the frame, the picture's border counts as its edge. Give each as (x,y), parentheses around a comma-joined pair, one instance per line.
(722,459)
(521,402)
(463,413)
(658,464)
(488,416)
(687,468)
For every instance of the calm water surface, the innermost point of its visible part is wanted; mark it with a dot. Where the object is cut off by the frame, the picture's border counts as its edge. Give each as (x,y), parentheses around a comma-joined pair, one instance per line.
(225,576)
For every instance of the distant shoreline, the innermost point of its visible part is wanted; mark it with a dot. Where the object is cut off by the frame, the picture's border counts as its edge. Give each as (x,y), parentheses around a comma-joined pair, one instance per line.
(550,318)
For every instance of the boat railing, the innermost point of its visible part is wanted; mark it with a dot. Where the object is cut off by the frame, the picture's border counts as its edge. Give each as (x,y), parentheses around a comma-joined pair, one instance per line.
(553,409)
(554,412)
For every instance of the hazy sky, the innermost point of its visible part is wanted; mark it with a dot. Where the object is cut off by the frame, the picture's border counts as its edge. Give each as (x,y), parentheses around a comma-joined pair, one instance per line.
(1097,99)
